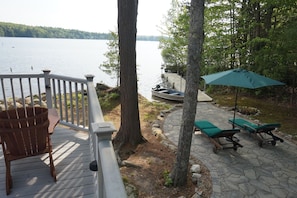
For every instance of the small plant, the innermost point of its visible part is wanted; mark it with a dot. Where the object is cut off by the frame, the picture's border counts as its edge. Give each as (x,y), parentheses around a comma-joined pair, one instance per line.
(130,188)
(113,96)
(109,100)
(155,109)
(125,179)
(167,178)
(248,110)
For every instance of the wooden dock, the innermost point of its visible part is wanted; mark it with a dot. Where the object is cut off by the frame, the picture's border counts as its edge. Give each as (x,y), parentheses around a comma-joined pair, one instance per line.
(31,176)
(175,81)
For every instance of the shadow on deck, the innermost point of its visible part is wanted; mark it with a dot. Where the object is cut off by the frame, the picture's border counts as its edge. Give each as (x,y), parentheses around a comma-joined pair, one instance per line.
(31,176)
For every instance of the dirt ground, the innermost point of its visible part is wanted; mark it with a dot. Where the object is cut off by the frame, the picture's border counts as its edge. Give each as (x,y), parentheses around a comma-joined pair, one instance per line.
(151,160)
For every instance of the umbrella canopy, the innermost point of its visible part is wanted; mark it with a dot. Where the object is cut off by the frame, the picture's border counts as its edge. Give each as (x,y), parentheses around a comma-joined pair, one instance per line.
(240,78)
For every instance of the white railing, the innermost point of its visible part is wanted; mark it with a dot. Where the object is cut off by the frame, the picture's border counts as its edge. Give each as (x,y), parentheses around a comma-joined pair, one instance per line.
(69,96)
(79,108)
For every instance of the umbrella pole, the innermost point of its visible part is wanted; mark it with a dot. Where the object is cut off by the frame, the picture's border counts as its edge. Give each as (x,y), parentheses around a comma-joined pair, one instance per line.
(235,107)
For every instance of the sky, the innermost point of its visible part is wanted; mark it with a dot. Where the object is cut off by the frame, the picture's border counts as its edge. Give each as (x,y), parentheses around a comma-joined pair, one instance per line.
(86,15)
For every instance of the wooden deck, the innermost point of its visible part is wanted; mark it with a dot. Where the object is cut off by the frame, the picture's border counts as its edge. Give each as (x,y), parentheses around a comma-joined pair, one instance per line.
(31,176)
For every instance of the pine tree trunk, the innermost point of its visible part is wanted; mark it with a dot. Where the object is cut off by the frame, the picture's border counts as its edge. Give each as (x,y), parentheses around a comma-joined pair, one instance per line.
(180,170)
(130,123)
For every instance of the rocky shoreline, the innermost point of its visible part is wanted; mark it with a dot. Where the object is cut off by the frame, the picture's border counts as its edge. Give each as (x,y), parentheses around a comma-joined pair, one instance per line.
(21,102)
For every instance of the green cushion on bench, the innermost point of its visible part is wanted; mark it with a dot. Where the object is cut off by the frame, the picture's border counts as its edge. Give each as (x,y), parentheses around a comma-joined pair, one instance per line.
(251,127)
(208,128)
(243,123)
(204,124)
(211,131)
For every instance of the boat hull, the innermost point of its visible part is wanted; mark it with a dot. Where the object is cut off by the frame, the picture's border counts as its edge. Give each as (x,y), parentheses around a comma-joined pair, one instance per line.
(168,94)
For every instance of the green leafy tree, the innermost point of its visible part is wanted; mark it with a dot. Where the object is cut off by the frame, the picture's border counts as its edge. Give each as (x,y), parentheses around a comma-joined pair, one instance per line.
(258,35)
(174,46)
(2,33)
(112,65)
(219,36)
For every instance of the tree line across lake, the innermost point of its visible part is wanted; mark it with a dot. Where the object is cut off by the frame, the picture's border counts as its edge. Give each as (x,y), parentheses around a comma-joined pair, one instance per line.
(19,30)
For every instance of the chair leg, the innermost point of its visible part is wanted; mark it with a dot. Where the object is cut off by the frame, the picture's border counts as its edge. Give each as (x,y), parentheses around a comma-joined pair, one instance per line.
(8,178)
(52,167)
(274,137)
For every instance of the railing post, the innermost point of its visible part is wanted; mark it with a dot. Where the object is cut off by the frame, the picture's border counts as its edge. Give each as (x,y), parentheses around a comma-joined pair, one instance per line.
(107,187)
(90,83)
(100,135)
(109,180)
(93,99)
(90,110)
(48,91)
(93,102)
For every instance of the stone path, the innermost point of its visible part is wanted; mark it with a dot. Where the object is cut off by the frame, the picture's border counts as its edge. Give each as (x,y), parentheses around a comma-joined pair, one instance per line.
(251,171)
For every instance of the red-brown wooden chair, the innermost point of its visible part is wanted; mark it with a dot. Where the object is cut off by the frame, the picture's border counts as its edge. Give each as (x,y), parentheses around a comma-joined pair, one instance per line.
(24,133)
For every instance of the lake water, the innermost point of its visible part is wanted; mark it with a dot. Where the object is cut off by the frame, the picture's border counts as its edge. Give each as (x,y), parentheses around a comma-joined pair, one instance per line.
(76,58)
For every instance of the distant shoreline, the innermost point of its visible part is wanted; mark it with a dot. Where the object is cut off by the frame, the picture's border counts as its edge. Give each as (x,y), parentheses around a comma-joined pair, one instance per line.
(26,31)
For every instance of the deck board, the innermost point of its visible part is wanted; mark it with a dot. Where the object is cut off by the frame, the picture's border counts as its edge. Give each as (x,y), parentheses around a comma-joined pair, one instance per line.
(31,176)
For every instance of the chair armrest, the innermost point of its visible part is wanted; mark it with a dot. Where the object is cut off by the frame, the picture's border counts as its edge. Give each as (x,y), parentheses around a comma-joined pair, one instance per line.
(54,119)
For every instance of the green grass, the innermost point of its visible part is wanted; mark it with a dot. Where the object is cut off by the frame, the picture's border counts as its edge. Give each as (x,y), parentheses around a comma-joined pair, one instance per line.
(153,109)
(270,111)
(108,101)
(150,110)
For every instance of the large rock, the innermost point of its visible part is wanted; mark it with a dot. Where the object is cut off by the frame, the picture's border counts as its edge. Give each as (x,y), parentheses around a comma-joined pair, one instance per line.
(195,168)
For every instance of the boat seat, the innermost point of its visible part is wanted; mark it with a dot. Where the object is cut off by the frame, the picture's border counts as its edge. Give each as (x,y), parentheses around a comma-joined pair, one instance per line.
(163,91)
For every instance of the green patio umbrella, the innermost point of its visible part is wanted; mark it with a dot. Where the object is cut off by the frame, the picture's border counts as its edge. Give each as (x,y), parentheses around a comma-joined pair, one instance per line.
(239,78)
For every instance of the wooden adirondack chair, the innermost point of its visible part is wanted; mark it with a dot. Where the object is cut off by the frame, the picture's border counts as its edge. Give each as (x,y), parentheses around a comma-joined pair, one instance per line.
(24,132)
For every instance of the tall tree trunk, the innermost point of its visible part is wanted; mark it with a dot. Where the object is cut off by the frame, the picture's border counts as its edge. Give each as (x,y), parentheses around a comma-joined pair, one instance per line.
(232,32)
(242,33)
(257,19)
(268,17)
(130,124)
(180,170)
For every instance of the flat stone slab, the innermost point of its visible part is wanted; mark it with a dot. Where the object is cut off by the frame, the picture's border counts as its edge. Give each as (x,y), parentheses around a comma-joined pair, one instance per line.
(250,171)
(177,82)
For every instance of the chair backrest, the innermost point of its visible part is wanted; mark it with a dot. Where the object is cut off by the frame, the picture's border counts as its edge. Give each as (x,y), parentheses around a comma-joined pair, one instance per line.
(24,131)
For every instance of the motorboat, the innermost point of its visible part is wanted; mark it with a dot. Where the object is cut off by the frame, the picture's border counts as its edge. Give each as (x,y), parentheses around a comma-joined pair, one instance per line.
(167,93)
